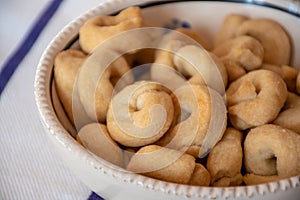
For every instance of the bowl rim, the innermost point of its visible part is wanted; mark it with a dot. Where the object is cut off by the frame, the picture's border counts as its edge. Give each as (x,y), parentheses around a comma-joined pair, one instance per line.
(51,122)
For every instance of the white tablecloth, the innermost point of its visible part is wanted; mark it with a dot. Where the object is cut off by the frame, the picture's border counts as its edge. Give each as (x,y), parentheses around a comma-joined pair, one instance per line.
(29,166)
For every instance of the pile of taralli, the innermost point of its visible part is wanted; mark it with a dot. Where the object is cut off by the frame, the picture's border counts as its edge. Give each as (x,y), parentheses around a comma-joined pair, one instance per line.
(259,108)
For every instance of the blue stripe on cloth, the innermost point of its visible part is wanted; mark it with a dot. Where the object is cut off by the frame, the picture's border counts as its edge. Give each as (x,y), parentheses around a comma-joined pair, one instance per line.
(16,58)
(94,196)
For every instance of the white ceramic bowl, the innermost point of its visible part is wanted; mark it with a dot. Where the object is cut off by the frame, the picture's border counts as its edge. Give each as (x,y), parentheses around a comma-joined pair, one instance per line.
(111,182)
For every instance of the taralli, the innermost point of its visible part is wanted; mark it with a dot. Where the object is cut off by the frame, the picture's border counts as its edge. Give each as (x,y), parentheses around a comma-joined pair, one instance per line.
(66,66)
(255,99)
(96,85)
(165,104)
(287,73)
(106,66)
(228,29)
(191,60)
(163,163)
(95,138)
(289,117)
(271,152)
(187,57)
(242,52)
(200,176)
(276,43)
(234,70)
(140,114)
(169,44)
(224,162)
(168,165)
(100,28)
(205,120)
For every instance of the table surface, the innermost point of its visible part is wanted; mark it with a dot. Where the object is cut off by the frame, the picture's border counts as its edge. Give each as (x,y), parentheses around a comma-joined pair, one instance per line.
(29,166)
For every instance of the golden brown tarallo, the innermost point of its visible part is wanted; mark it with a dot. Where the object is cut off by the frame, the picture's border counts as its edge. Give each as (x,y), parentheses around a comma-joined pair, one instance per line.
(98,29)
(240,55)
(289,117)
(168,165)
(93,133)
(271,153)
(225,160)
(272,36)
(66,66)
(228,30)
(255,99)
(140,114)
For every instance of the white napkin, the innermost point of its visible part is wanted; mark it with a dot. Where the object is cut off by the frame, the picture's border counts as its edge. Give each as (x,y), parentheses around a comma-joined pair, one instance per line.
(29,166)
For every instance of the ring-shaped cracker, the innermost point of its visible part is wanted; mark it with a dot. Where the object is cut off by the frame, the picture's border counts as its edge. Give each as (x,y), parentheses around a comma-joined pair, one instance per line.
(289,117)
(229,28)
(240,55)
(140,114)
(202,124)
(271,153)
(255,99)
(100,28)
(95,138)
(200,176)
(224,162)
(276,43)
(287,73)
(201,66)
(96,102)
(66,66)
(163,164)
